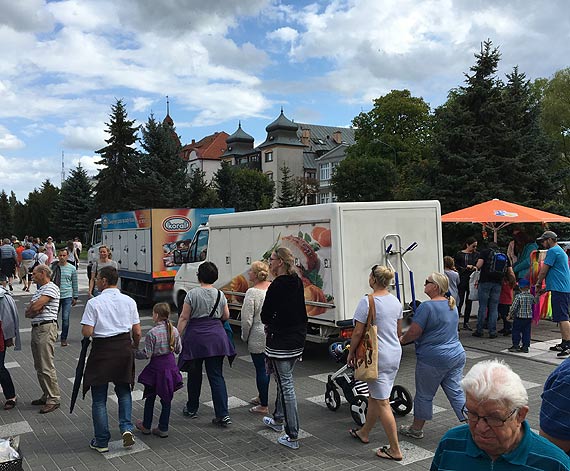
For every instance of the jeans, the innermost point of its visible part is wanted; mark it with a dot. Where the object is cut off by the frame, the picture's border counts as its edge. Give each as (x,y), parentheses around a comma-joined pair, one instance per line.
(521,328)
(489,294)
(217,385)
(148,413)
(99,411)
(261,378)
(65,308)
(6,379)
(429,378)
(286,401)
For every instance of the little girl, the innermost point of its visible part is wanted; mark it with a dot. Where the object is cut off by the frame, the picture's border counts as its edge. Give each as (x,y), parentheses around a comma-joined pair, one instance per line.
(161,376)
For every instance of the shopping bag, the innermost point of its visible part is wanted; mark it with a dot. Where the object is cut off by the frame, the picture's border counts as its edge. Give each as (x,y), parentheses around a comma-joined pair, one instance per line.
(474,286)
(366,361)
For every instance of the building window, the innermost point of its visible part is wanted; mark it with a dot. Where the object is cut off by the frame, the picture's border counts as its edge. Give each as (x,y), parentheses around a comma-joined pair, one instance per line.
(269,156)
(270,175)
(254,158)
(325,171)
(325,198)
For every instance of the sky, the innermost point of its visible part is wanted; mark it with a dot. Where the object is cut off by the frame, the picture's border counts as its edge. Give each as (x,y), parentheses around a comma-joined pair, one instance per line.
(64,63)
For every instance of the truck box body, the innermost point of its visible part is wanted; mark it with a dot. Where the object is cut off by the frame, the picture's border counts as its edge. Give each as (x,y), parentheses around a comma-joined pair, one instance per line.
(142,243)
(335,245)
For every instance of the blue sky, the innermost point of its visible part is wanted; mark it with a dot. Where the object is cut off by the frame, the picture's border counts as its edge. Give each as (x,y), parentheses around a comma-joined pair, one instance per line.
(63,63)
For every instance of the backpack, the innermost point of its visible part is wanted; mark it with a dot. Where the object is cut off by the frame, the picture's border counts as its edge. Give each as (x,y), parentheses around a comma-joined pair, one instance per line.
(498,263)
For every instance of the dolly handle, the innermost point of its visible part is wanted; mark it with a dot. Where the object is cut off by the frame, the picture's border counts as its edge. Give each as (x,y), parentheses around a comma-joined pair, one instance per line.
(412,246)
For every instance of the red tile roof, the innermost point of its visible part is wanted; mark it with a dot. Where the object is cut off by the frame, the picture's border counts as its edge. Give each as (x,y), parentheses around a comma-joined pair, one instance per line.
(208,148)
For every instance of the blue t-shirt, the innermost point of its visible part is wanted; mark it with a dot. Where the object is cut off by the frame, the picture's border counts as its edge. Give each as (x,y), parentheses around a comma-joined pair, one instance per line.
(439,341)
(457,452)
(28,254)
(558,276)
(554,413)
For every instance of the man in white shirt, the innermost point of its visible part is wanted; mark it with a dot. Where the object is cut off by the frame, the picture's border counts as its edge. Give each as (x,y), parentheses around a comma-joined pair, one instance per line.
(42,311)
(112,320)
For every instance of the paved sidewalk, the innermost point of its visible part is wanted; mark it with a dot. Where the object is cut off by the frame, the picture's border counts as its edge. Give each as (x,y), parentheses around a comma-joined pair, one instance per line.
(59,440)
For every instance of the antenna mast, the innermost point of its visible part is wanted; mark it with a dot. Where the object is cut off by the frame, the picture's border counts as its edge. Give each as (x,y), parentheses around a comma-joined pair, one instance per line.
(62,168)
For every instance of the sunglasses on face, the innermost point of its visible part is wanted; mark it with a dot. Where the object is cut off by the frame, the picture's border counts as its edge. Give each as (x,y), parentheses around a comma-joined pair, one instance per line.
(427,282)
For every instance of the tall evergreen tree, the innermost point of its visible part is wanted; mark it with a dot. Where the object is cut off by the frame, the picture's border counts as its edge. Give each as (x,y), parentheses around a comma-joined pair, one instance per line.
(200,194)
(38,211)
(6,221)
(116,187)
(225,185)
(74,208)
(287,196)
(163,178)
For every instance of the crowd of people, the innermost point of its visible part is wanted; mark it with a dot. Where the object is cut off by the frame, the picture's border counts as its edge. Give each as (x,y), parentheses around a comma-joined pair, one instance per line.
(490,400)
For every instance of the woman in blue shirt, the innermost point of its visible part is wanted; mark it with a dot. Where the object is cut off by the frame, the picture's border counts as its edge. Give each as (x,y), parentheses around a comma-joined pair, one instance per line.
(440,357)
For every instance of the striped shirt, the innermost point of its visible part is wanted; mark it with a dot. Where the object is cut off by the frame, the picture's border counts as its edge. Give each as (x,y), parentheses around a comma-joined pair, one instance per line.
(156,342)
(522,306)
(458,452)
(68,286)
(7,252)
(554,412)
(49,311)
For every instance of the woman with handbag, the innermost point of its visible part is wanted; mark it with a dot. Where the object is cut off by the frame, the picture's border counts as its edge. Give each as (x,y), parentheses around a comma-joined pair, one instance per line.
(383,310)
(204,341)
(440,357)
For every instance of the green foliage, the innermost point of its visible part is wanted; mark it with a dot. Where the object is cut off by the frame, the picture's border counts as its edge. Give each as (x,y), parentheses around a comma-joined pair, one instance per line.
(364,179)
(200,194)
(6,216)
(287,196)
(162,177)
(74,213)
(116,188)
(555,117)
(243,189)
(38,211)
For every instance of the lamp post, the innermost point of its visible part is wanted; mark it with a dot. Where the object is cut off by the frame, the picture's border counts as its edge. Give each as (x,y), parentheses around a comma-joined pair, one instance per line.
(379,141)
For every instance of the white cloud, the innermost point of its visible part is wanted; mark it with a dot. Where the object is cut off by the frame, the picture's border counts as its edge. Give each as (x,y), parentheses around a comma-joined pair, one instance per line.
(76,136)
(88,162)
(285,34)
(9,140)
(25,15)
(142,103)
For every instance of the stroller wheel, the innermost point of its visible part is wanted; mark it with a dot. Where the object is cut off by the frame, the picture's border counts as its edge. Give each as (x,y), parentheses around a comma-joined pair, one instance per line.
(358,409)
(332,399)
(401,400)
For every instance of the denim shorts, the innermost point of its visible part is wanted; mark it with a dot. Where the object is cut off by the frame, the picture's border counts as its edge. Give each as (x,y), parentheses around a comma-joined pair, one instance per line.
(560,303)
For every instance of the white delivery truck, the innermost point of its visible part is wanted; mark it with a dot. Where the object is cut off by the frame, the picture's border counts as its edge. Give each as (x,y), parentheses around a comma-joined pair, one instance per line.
(335,245)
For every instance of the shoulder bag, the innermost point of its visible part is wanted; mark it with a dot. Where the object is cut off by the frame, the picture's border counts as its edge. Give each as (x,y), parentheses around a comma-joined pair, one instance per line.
(366,364)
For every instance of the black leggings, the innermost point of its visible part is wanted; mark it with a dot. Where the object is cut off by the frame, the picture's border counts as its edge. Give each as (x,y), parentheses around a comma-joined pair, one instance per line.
(463,292)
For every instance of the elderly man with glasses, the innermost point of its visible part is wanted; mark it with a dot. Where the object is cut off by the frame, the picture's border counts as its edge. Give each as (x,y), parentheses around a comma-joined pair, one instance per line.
(497,435)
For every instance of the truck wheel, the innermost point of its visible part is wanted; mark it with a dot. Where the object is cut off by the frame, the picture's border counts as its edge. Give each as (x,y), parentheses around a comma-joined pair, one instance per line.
(358,410)
(332,399)
(401,400)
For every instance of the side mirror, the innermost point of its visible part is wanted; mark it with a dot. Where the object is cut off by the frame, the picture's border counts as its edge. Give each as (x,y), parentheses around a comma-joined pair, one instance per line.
(179,257)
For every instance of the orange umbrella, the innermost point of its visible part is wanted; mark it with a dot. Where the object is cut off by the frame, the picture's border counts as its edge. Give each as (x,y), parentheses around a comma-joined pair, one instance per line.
(497,214)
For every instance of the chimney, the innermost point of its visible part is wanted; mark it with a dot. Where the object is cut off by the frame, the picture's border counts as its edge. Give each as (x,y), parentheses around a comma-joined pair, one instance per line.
(337,137)
(305,136)
(193,141)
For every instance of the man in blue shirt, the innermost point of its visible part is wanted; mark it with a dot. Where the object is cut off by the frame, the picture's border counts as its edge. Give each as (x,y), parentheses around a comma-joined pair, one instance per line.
(554,411)
(557,275)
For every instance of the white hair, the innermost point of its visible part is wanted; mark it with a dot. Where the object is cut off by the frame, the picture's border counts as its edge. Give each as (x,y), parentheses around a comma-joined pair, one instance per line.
(495,380)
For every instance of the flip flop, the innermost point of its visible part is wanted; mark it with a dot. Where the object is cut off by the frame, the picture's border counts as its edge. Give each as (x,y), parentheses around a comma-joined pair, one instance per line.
(354,434)
(386,455)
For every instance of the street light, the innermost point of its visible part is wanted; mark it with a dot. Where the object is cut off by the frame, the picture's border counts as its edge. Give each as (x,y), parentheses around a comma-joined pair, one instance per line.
(379,141)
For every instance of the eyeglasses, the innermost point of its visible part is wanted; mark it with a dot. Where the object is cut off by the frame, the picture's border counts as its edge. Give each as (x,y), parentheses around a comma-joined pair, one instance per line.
(490,421)
(427,282)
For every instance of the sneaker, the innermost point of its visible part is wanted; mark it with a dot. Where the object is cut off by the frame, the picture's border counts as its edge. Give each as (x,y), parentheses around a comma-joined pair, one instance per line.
(159,433)
(188,413)
(467,327)
(477,334)
(128,439)
(100,449)
(524,350)
(492,336)
(564,353)
(289,442)
(408,431)
(275,426)
(139,425)
(558,347)
(515,349)
(222,421)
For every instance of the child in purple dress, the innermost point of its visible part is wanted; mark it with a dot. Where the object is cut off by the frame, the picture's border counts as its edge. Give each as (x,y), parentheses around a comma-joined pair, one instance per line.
(161,377)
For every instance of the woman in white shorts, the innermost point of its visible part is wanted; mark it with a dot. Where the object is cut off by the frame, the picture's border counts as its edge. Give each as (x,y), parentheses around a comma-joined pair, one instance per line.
(388,321)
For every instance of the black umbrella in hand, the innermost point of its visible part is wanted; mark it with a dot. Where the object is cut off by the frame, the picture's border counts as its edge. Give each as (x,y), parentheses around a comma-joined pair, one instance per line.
(79,372)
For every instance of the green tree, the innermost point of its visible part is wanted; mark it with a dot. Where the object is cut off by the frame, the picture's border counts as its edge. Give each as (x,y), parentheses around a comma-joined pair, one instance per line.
(74,207)
(225,185)
(38,211)
(200,194)
(163,172)
(116,188)
(363,179)
(6,220)
(555,117)
(255,190)
(287,195)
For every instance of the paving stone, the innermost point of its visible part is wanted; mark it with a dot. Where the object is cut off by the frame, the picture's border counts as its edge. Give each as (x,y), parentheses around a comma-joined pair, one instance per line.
(117,449)
(17,428)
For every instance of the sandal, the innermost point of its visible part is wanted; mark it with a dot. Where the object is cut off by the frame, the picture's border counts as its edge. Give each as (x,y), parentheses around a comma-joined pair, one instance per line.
(10,404)
(386,454)
(354,434)
(255,401)
(259,409)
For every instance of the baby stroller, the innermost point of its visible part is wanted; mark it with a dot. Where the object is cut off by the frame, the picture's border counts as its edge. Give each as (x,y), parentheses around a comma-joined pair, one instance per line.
(356,392)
